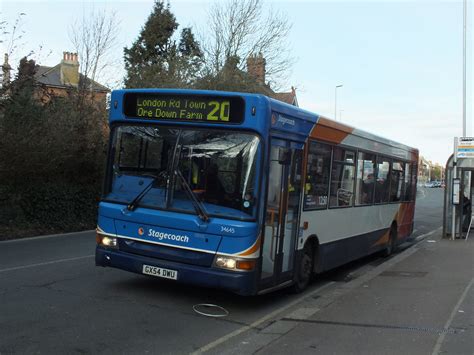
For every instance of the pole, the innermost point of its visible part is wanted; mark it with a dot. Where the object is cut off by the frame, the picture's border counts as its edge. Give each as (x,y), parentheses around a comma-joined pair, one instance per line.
(464,70)
(455,163)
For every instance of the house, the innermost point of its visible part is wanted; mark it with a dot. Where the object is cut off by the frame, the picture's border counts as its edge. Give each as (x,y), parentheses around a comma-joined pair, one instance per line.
(61,79)
(256,69)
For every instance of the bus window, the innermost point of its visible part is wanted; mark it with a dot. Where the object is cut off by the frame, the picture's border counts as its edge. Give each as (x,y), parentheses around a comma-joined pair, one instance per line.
(342,178)
(397,177)
(317,176)
(218,167)
(382,183)
(139,153)
(413,182)
(407,193)
(365,179)
(129,151)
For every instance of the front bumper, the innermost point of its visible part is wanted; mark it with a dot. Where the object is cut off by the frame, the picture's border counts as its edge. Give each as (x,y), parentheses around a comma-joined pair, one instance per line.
(242,283)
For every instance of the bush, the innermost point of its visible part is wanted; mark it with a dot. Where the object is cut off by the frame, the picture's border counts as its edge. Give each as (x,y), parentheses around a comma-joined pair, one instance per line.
(52,156)
(47,207)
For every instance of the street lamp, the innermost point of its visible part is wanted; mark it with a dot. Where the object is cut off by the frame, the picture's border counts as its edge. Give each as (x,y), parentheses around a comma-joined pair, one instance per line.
(335,101)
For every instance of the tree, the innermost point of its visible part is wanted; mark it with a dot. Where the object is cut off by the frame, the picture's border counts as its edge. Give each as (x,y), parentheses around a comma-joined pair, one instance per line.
(48,140)
(436,172)
(12,37)
(155,59)
(239,29)
(94,36)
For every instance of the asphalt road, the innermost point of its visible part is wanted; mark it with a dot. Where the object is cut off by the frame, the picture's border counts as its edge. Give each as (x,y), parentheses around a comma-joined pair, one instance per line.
(54,300)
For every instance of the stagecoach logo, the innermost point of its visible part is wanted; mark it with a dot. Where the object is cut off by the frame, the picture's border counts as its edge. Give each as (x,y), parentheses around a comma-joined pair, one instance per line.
(166,236)
(286,121)
(140,231)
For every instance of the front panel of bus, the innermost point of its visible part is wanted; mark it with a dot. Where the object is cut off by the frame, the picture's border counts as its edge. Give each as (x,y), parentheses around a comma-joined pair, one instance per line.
(182,195)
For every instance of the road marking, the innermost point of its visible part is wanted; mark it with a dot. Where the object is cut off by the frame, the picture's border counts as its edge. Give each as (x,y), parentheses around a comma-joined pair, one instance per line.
(44,237)
(423,193)
(423,236)
(258,321)
(437,347)
(46,263)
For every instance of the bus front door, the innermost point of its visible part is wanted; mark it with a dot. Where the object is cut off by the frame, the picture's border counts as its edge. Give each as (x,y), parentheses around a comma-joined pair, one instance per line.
(282,214)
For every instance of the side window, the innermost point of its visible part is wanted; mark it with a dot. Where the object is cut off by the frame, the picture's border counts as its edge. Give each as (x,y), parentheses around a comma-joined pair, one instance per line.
(365,182)
(408,187)
(413,182)
(397,183)
(382,182)
(317,176)
(342,178)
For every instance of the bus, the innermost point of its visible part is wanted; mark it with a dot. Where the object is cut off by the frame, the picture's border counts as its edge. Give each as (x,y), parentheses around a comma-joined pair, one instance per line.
(245,193)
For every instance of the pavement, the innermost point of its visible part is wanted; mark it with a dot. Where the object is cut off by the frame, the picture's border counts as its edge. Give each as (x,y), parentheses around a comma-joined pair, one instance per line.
(420,301)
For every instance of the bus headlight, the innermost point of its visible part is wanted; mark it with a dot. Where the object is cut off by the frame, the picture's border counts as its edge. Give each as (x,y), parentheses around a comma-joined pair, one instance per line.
(236,264)
(106,241)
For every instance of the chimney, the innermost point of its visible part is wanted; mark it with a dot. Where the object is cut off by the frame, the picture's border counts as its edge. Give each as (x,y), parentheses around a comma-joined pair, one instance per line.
(256,67)
(6,68)
(70,69)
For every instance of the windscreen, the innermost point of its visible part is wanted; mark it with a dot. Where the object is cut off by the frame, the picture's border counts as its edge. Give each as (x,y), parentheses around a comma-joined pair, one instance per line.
(217,167)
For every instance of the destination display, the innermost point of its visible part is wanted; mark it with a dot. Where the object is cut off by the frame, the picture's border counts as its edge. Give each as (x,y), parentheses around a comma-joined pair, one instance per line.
(196,108)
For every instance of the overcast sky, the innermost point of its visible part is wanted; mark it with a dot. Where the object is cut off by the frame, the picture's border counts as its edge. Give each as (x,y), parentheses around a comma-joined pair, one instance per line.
(400,62)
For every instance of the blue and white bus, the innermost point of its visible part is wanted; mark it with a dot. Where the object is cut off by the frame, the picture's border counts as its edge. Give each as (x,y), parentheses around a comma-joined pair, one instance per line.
(243,192)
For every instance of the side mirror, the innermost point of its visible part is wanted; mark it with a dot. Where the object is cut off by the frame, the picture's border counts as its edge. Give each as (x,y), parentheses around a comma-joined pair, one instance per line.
(284,156)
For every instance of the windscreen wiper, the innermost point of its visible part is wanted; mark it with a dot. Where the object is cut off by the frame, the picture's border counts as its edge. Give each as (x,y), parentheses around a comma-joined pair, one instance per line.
(198,206)
(133,205)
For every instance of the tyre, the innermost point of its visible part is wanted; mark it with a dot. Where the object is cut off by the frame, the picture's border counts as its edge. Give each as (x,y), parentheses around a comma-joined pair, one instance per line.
(304,270)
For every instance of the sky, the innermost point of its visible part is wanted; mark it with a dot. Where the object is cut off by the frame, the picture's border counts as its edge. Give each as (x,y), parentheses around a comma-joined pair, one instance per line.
(399,62)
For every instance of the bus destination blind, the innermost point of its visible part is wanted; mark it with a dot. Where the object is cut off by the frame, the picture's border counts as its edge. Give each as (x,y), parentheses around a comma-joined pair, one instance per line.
(196,108)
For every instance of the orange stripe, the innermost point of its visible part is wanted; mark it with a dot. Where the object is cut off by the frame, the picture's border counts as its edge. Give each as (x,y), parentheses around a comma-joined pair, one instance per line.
(330,131)
(383,239)
(253,248)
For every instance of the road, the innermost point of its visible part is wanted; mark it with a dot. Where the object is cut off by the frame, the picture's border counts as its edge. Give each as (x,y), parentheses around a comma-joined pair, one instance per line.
(54,300)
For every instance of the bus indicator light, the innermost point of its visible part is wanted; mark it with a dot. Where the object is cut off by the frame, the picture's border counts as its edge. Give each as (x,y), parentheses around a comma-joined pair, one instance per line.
(245,264)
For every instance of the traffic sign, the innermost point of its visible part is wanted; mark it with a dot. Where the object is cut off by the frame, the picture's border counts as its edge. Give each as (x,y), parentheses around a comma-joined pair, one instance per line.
(465,147)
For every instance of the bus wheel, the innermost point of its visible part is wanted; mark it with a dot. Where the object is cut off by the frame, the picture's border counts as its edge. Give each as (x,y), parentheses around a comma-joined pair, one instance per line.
(304,270)
(391,246)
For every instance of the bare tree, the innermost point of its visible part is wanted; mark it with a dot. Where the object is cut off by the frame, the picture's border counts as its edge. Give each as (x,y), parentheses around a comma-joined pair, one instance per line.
(15,34)
(241,28)
(94,37)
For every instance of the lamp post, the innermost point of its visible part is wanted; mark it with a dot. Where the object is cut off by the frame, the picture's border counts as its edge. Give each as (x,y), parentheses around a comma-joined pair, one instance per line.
(464,35)
(335,100)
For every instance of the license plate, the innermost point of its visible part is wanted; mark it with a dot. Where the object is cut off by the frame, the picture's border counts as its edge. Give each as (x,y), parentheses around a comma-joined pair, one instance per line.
(160,272)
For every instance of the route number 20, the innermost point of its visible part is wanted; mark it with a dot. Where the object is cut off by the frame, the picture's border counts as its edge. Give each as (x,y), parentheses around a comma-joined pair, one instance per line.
(220,111)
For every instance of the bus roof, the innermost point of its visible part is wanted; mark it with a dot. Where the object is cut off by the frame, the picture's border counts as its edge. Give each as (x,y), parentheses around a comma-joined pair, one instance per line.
(307,123)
